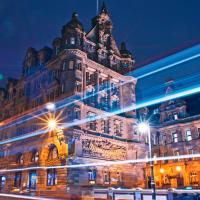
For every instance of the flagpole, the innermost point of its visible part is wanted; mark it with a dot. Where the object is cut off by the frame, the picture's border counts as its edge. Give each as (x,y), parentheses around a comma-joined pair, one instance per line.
(97,7)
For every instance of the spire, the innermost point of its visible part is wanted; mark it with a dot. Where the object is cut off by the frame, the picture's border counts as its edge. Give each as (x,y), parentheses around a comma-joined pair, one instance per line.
(104,9)
(124,52)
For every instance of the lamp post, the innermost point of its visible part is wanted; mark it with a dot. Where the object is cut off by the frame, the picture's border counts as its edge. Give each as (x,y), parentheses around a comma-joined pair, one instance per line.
(143,128)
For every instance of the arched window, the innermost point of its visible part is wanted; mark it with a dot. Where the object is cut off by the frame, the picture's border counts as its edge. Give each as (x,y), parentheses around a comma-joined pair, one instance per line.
(53,153)
(20,158)
(35,156)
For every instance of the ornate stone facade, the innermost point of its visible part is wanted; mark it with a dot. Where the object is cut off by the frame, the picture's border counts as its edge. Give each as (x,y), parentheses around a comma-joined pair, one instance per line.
(83,74)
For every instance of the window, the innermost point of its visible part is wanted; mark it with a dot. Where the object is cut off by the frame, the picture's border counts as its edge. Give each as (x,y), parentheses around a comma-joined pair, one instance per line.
(72,40)
(118,177)
(62,88)
(117,127)
(77,113)
(2,182)
(188,135)
(165,155)
(20,158)
(79,66)
(199,131)
(176,153)
(17,180)
(35,156)
(174,137)
(105,126)
(78,87)
(32,179)
(56,51)
(53,153)
(64,65)
(92,122)
(190,152)
(51,177)
(166,180)
(71,65)
(193,178)
(175,116)
(92,176)
(106,177)
(1,154)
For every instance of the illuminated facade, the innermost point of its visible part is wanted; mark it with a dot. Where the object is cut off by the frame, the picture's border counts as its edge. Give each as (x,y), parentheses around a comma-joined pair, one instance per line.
(177,133)
(83,71)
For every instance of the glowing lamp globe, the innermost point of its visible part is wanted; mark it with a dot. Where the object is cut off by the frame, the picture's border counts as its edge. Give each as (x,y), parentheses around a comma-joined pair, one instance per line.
(52,124)
(143,127)
(178,168)
(162,170)
(50,106)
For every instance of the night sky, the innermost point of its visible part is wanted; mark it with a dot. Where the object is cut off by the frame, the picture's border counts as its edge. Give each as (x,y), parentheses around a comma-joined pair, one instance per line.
(151,28)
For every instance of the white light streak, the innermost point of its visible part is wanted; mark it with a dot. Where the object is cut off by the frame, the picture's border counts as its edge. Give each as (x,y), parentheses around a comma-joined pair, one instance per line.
(24,197)
(107,163)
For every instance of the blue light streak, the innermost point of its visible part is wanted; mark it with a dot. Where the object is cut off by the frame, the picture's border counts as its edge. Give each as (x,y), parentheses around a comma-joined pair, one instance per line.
(178,94)
(168,62)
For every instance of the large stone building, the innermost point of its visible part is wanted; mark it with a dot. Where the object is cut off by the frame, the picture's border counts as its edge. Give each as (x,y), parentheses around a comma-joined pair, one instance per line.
(83,74)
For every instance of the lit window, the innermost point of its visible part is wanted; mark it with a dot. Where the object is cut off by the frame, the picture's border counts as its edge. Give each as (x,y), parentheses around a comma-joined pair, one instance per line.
(2,182)
(72,40)
(92,175)
(32,179)
(188,135)
(17,180)
(71,65)
(174,137)
(166,179)
(175,116)
(51,177)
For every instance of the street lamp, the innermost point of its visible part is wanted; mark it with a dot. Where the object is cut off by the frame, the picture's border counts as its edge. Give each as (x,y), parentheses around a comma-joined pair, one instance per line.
(144,127)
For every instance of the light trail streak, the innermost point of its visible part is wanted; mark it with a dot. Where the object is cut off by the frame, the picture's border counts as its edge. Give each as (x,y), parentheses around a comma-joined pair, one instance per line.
(107,163)
(181,93)
(24,197)
(164,63)
(58,105)
(64,104)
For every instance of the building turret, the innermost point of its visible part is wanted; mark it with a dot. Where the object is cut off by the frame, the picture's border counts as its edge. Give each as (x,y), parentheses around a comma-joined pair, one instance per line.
(73,33)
